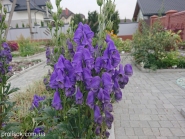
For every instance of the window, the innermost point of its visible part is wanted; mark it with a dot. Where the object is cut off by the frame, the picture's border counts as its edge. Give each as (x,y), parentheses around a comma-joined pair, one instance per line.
(8,7)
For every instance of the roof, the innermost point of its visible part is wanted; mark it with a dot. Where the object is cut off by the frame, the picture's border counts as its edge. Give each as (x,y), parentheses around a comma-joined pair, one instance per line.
(66,13)
(152,7)
(21,5)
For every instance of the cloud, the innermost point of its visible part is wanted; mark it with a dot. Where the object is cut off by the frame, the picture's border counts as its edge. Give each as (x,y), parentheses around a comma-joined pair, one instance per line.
(125,7)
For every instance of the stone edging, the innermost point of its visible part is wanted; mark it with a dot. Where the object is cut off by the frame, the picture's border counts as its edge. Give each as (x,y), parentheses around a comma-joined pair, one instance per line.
(26,70)
(26,58)
(156,71)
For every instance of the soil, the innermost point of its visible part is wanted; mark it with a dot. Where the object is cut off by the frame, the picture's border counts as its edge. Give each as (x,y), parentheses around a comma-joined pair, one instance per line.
(18,66)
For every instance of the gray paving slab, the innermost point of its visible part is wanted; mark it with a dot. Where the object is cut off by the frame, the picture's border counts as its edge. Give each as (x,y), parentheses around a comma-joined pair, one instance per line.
(151,106)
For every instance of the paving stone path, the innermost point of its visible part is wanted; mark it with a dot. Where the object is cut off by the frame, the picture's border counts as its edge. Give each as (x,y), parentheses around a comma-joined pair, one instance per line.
(27,78)
(151,106)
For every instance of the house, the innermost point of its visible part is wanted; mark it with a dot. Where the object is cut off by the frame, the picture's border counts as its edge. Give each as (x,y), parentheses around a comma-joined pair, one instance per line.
(144,9)
(67,15)
(38,9)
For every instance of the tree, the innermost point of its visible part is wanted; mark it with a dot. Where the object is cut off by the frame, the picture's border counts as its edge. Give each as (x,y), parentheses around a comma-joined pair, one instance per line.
(93,21)
(77,18)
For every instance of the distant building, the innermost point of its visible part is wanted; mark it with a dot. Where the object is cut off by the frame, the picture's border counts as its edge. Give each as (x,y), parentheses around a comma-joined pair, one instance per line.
(67,15)
(146,8)
(38,9)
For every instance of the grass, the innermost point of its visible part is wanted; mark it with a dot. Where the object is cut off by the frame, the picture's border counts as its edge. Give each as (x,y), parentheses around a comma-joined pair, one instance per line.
(24,100)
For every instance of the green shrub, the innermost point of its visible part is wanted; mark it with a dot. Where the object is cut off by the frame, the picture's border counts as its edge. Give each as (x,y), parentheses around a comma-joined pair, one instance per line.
(150,45)
(26,47)
(23,25)
(17,26)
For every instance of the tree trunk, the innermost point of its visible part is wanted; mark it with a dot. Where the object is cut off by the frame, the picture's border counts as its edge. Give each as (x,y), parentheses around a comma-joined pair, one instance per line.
(10,18)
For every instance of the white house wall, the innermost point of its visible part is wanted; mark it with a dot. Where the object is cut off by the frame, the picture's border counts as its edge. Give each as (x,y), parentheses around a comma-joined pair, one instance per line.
(21,17)
(140,15)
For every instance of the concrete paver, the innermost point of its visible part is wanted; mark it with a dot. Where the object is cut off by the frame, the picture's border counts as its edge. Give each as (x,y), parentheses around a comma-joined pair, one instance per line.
(150,108)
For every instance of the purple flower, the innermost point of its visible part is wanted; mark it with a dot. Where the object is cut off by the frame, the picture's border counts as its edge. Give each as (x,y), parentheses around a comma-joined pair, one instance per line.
(38,130)
(48,53)
(79,96)
(123,81)
(107,107)
(60,63)
(107,134)
(36,101)
(9,68)
(103,96)
(107,81)
(90,99)
(70,45)
(97,115)
(89,61)
(97,66)
(69,91)
(128,70)
(109,116)
(87,76)
(56,102)
(97,130)
(115,59)
(108,119)
(118,95)
(108,38)
(95,83)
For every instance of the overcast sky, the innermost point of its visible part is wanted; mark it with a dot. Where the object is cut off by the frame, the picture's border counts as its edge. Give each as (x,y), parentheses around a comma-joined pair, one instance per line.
(125,7)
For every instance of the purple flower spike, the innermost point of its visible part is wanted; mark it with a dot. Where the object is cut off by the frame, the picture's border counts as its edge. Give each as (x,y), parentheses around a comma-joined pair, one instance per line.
(128,70)
(79,96)
(97,115)
(56,102)
(90,99)
(97,130)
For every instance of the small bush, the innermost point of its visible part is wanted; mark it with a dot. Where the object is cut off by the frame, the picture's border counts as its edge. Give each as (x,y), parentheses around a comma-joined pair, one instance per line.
(13,46)
(152,44)
(17,26)
(26,47)
(23,25)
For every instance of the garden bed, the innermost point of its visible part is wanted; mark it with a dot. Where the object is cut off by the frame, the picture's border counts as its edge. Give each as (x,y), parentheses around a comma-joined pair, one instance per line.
(18,66)
(145,70)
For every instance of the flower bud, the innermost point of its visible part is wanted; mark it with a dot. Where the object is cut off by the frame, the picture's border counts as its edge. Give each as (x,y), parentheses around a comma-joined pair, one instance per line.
(59,10)
(0,6)
(49,5)
(57,3)
(100,2)
(5,10)
(54,17)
